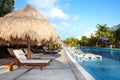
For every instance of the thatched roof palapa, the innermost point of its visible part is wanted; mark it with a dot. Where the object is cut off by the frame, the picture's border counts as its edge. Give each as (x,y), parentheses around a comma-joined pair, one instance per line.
(27,23)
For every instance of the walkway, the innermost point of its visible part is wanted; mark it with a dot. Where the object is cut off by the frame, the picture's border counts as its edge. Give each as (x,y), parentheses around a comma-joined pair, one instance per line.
(59,69)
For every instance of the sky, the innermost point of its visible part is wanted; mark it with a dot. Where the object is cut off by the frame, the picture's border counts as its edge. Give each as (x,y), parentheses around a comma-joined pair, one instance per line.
(76,18)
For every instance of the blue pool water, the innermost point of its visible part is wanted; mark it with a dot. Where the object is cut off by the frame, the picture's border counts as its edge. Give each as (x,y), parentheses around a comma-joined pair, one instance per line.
(108,68)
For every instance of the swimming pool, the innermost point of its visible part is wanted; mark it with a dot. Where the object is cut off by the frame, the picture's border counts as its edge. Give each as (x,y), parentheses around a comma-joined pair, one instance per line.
(108,68)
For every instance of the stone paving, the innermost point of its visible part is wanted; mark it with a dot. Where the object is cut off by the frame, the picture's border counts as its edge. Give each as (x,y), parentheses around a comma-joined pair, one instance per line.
(59,69)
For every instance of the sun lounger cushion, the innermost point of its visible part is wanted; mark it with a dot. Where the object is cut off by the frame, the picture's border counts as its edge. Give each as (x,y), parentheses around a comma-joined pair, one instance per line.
(22,58)
(20,55)
(36,61)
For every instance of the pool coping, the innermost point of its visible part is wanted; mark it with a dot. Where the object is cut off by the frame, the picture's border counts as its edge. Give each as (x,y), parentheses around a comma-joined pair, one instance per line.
(84,74)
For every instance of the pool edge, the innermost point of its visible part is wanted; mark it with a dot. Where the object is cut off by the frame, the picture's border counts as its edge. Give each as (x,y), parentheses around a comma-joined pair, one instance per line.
(84,73)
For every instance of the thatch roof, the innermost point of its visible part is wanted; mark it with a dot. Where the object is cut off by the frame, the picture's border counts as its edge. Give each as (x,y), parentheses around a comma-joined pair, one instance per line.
(27,22)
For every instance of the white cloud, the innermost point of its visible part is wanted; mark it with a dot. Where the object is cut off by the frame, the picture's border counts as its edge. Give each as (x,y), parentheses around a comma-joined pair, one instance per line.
(50,8)
(54,11)
(57,13)
(88,33)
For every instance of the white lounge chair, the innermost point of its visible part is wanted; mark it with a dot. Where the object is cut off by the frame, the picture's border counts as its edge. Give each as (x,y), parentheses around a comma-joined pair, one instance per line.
(22,60)
(81,56)
(40,56)
(50,52)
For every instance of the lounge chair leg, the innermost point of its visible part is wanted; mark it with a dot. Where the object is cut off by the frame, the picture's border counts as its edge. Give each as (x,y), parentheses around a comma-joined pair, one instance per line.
(11,68)
(41,66)
(10,64)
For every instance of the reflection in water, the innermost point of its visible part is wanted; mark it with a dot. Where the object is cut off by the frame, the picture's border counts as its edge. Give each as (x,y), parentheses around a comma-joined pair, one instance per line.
(108,53)
(111,52)
(108,68)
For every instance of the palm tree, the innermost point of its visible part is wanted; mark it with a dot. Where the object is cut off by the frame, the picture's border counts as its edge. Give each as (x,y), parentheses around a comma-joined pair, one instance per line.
(92,40)
(117,36)
(72,42)
(102,33)
(111,38)
(84,40)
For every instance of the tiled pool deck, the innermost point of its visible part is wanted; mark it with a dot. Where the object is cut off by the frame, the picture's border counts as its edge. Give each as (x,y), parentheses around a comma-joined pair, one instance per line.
(59,69)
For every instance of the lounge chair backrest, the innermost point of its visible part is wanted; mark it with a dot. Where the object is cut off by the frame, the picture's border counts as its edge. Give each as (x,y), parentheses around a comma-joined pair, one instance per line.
(25,50)
(20,55)
(10,50)
(45,48)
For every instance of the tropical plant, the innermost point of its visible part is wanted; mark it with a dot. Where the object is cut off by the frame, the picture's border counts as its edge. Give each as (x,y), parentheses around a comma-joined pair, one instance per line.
(73,42)
(6,6)
(92,41)
(117,34)
(84,40)
(102,33)
(111,38)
